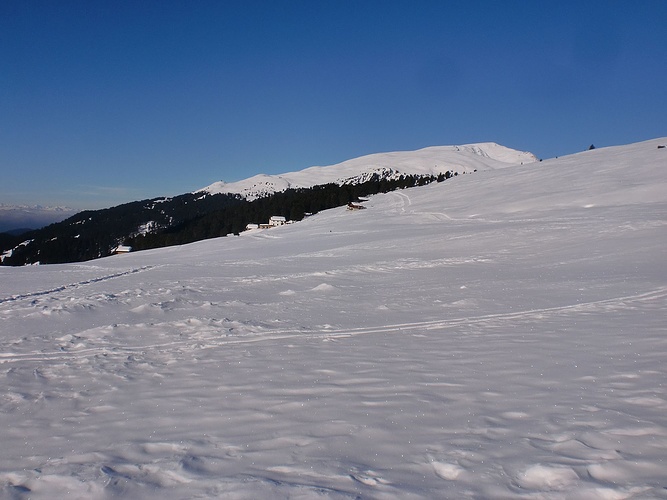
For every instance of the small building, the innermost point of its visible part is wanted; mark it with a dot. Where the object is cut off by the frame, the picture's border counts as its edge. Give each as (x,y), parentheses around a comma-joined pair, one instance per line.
(277,220)
(274,221)
(121,249)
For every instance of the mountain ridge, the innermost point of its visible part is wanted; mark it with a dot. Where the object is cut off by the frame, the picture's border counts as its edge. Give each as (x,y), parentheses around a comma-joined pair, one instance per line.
(202,215)
(13,217)
(432,160)
(227,208)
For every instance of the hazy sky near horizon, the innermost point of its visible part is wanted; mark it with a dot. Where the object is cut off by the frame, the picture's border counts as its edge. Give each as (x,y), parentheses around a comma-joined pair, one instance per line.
(104,102)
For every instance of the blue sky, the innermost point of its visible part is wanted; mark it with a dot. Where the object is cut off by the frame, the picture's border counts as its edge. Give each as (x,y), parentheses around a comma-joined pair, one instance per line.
(107,102)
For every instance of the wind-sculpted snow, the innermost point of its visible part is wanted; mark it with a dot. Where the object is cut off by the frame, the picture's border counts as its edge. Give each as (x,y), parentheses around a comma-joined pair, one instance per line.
(494,336)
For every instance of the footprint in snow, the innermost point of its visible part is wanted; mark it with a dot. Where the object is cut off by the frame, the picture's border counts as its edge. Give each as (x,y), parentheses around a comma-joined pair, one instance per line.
(368,477)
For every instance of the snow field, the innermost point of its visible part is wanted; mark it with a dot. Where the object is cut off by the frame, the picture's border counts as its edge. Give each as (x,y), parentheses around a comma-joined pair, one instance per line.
(498,335)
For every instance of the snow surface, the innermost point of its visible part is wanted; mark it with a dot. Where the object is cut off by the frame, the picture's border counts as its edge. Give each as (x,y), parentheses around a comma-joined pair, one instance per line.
(497,335)
(427,161)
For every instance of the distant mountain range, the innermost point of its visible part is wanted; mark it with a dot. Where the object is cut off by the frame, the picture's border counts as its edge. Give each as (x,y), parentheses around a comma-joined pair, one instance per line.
(227,208)
(21,218)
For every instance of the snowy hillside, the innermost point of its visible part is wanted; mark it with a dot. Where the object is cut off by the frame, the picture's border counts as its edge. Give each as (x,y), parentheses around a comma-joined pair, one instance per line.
(500,335)
(427,161)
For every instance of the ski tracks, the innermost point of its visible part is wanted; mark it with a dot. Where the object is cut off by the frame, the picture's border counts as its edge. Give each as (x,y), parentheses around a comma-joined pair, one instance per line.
(195,333)
(406,204)
(73,286)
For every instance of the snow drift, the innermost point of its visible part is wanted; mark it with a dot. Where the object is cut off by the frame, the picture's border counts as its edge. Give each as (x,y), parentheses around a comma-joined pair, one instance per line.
(498,335)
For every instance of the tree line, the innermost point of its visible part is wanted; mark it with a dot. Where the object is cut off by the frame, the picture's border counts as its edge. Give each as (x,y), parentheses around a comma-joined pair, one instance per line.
(184,219)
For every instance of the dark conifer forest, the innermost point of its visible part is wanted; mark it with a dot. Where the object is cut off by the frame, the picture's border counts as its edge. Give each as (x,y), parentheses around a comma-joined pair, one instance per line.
(182,219)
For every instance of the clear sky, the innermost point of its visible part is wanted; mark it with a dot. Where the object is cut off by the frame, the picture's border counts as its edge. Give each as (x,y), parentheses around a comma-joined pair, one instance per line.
(104,102)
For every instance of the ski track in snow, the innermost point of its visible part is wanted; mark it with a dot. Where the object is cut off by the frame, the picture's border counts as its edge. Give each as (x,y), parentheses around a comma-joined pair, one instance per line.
(427,347)
(217,332)
(71,286)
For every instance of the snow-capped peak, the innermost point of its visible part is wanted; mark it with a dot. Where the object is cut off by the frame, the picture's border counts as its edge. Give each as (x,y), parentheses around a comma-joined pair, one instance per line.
(427,161)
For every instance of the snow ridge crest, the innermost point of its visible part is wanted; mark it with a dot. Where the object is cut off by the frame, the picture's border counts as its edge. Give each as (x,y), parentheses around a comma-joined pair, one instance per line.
(428,161)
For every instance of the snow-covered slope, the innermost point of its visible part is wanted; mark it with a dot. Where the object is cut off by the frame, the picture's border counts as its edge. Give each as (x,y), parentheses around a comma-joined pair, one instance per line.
(427,161)
(500,335)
